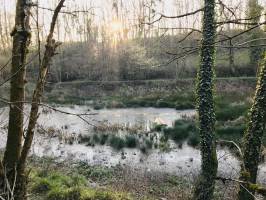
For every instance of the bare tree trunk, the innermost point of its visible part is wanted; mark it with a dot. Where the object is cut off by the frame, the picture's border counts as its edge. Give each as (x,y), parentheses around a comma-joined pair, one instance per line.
(14,163)
(231,58)
(50,51)
(21,39)
(205,186)
(253,137)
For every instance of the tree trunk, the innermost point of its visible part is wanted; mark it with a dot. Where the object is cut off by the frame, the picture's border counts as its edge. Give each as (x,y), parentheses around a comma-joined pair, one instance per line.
(50,49)
(231,58)
(253,137)
(21,40)
(205,186)
(15,156)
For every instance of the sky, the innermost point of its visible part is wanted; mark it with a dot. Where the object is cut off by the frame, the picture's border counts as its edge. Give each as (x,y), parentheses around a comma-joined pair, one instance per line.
(104,12)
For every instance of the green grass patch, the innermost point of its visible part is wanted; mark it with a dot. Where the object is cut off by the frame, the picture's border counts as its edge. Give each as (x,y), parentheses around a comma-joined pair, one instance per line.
(231,111)
(56,186)
(181,131)
(117,142)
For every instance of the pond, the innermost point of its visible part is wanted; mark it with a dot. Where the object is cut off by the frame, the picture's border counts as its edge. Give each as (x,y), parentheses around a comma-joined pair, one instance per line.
(182,161)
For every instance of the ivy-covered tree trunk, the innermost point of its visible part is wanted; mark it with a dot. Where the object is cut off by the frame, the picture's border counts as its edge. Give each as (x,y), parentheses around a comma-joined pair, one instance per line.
(21,40)
(253,137)
(254,12)
(205,187)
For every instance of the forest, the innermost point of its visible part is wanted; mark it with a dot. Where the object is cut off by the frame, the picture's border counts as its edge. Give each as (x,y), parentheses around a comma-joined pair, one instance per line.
(132,100)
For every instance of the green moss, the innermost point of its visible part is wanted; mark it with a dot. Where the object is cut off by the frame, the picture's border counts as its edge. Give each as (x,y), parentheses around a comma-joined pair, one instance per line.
(56,186)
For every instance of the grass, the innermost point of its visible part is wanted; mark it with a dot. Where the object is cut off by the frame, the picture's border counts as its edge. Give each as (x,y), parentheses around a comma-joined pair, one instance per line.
(57,186)
(181,131)
(95,173)
(117,142)
(231,111)
(178,101)
(131,141)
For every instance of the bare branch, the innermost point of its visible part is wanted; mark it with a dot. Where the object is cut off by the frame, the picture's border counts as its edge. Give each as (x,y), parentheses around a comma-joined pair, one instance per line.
(174,17)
